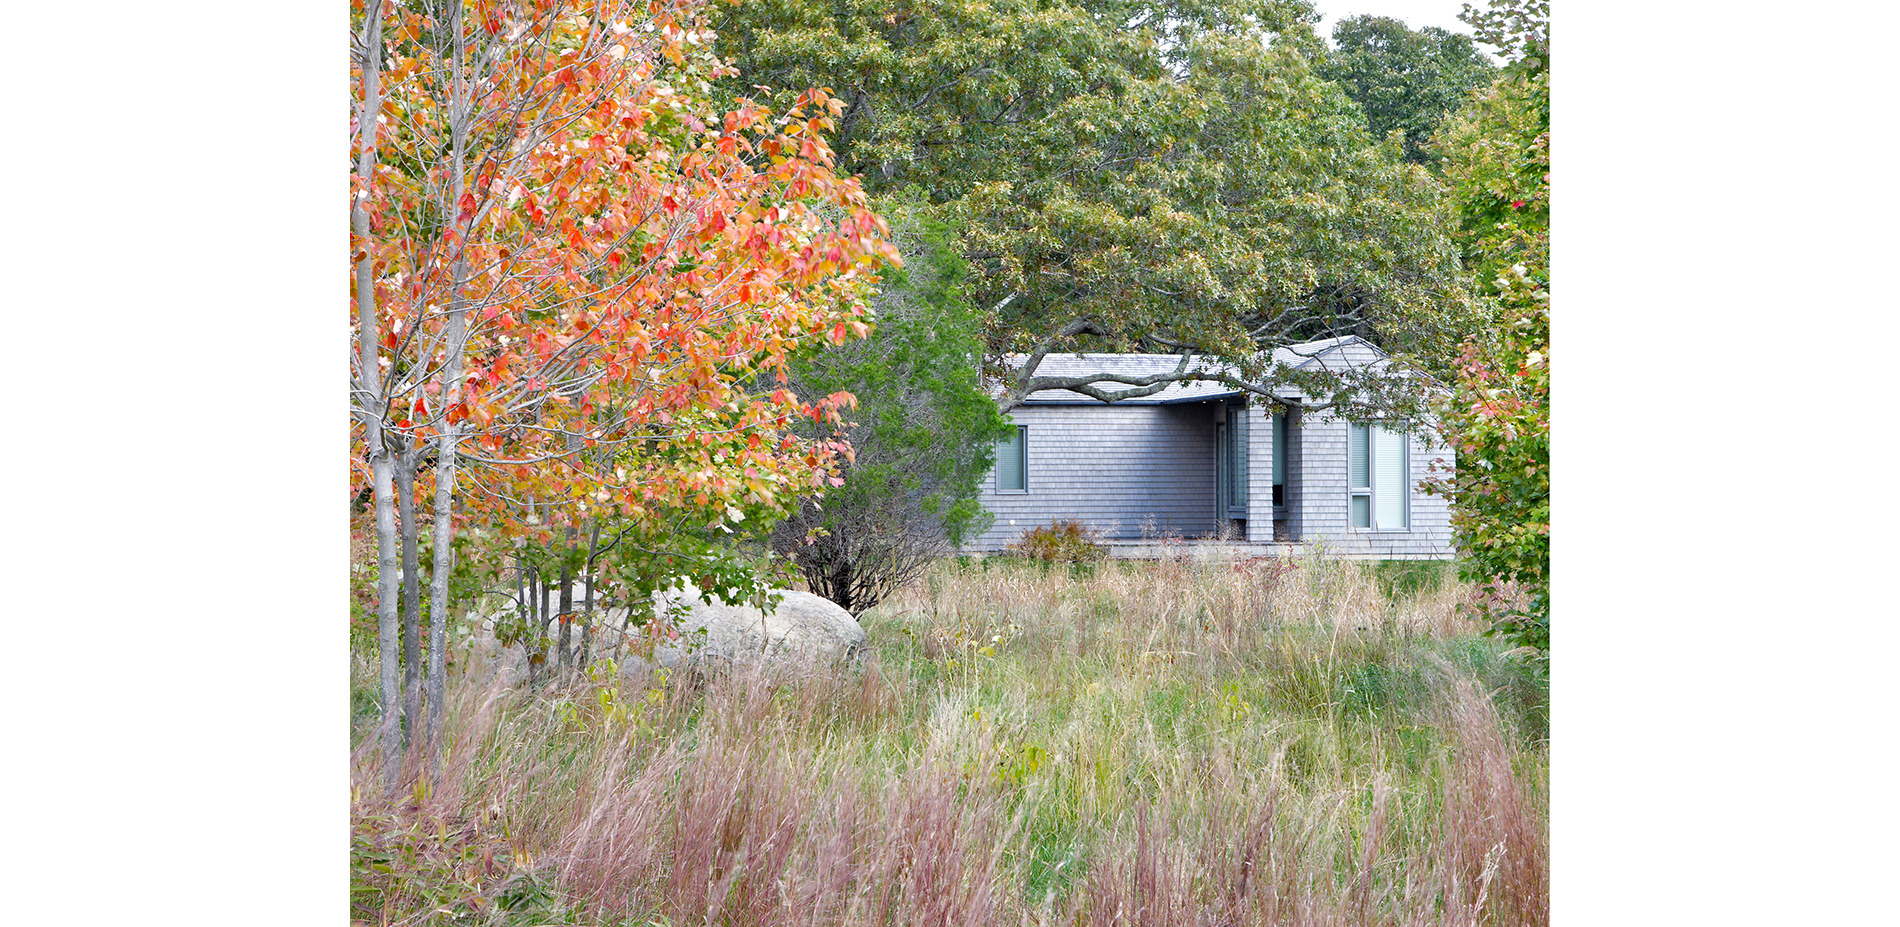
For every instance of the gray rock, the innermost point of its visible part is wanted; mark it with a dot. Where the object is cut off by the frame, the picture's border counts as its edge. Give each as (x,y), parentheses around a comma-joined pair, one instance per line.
(507,665)
(804,628)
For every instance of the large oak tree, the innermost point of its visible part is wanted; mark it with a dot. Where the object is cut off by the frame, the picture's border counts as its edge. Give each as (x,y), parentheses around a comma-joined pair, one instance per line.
(1405,80)
(1169,177)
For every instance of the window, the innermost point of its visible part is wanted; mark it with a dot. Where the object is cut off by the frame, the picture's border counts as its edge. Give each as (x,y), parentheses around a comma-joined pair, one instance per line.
(1279,459)
(1378,483)
(1232,439)
(1012,462)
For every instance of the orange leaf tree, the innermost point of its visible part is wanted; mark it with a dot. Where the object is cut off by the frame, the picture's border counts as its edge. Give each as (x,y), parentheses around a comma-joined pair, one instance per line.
(575,282)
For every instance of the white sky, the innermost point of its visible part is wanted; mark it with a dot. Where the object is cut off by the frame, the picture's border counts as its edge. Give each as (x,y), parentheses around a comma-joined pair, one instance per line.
(1417,14)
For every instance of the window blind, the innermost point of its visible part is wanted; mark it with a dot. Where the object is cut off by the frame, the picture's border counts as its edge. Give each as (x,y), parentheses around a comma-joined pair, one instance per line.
(1012,461)
(1389,477)
(1357,452)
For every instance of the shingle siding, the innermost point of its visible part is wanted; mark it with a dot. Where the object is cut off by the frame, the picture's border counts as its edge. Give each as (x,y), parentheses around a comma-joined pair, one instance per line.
(1324,508)
(1347,353)
(1323,504)
(1126,471)
(1148,468)
(1260,472)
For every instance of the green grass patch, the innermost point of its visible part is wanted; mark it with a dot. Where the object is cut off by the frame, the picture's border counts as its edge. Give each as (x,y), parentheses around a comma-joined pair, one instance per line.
(1408,579)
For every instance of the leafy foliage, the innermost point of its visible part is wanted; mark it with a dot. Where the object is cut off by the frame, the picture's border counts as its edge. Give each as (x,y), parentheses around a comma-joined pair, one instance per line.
(1519,29)
(1496,162)
(1404,80)
(1131,175)
(1067,541)
(646,262)
(922,437)
(1499,423)
(1498,419)
(571,270)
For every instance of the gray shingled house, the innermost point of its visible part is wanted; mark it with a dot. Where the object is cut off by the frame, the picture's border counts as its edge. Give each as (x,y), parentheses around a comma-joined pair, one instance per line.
(1199,460)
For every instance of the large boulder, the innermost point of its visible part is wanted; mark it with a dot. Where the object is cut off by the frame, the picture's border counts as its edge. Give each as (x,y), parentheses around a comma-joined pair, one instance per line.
(804,628)
(709,634)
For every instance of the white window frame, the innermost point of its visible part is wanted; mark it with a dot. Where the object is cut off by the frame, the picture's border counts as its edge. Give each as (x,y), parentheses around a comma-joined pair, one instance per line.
(1021,447)
(1370,492)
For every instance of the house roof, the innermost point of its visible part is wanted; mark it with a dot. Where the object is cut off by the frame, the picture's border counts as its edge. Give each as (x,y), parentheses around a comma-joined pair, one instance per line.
(1325,354)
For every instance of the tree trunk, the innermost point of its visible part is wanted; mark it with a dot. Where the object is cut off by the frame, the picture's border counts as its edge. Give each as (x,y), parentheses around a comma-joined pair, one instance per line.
(387,594)
(543,620)
(587,623)
(371,407)
(411,606)
(443,564)
(538,609)
(449,441)
(521,606)
(567,601)
(841,582)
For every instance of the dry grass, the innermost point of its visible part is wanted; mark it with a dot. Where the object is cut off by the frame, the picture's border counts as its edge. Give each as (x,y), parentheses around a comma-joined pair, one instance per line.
(1195,742)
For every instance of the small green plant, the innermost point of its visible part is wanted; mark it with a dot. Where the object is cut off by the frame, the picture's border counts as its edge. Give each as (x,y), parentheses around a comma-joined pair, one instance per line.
(1410,578)
(1011,763)
(1016,765)
(1234,709)
(1067,541)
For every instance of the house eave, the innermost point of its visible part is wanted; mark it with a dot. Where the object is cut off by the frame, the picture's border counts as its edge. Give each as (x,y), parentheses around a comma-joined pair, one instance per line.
(1284,396)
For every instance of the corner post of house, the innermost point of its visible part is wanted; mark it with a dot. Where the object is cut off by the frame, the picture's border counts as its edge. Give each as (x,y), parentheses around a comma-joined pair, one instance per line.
(1295,469)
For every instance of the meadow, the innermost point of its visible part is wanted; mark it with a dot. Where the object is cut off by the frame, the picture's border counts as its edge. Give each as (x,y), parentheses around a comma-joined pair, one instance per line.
(1202,740)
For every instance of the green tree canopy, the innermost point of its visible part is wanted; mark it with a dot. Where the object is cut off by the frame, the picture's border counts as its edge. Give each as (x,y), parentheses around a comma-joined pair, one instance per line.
(1404,80)
(1495,156)
(1171,177)
(1497,161)
(923,434)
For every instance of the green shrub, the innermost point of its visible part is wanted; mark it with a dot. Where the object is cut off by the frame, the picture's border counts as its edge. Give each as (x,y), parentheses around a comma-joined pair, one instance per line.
(1067,541)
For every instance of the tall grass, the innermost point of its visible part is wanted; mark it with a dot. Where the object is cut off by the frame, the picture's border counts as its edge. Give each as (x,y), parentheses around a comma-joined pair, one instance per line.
(1196,741)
